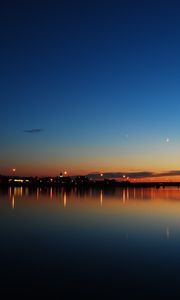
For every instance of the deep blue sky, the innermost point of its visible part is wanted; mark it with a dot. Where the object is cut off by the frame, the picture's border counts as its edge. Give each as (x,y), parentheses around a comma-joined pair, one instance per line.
(101,78)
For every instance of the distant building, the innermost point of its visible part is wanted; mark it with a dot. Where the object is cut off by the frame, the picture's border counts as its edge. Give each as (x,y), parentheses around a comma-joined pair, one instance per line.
(81,180)
(110,181)
(3,179)
(64,179)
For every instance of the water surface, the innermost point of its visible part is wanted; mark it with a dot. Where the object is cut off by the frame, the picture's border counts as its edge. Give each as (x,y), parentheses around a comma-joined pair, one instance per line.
(114,241)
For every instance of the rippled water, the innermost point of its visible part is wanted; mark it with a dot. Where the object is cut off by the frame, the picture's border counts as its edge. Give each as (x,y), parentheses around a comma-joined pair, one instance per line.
(90,242)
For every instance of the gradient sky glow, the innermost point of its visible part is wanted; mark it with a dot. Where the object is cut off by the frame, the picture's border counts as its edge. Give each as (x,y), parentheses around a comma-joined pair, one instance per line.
(89,86)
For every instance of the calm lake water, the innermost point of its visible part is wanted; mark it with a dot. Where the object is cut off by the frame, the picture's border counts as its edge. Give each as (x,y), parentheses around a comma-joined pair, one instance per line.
(114,242)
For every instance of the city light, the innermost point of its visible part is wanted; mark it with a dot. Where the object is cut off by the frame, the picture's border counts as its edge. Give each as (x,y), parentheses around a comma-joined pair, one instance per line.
(18,180)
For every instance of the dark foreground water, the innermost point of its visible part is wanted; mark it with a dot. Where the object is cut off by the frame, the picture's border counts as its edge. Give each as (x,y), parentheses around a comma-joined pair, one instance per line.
(113,243)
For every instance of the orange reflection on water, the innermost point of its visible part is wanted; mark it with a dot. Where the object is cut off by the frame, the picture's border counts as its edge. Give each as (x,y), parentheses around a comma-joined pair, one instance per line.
(13,193)
(126,208)
(101,197)
(13,202)
(51,193)
(37,193)
(64,199)
(144,200)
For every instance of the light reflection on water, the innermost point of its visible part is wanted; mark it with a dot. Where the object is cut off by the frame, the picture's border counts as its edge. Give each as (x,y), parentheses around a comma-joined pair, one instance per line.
(121,194)
(147,210)
(91,236)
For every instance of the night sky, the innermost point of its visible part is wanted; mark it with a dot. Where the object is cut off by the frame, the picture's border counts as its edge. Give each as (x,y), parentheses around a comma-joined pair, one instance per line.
(89,86)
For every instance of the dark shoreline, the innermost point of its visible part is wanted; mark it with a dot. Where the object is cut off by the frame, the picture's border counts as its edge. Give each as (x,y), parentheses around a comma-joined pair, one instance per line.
(79,181)
(156,185)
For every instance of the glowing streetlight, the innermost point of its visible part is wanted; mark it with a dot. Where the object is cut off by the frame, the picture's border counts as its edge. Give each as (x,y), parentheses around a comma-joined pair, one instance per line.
(101,174)
(13,171)
(65,173)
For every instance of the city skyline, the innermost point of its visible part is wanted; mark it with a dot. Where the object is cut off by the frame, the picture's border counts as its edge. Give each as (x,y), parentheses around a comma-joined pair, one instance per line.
(139,176)
(90,87)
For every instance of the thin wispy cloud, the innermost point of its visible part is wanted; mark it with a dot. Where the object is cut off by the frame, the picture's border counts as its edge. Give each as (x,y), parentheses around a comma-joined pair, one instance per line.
(169,173)
(121,174)
(143,174)
(34,130)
